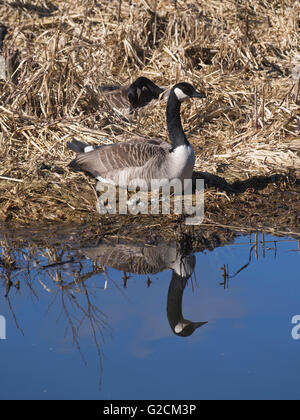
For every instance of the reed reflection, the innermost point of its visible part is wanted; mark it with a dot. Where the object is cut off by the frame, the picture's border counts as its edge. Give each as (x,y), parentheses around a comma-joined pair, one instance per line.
(75,281)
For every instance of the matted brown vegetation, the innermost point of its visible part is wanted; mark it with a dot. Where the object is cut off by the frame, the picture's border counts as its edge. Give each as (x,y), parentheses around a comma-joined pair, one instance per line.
(245,55)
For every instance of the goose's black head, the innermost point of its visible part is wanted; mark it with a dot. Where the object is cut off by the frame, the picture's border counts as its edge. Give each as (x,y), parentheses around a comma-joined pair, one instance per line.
(142,91)
(184,91)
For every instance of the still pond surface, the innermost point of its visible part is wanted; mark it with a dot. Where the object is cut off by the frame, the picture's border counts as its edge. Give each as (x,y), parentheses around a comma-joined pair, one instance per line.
(133,321)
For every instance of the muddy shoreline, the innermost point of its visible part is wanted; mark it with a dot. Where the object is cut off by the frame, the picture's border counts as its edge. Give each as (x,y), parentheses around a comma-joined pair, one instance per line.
(264,204)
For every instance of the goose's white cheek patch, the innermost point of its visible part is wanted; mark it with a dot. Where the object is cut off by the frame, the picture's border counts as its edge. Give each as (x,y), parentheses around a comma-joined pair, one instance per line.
(138,91)
(181,96)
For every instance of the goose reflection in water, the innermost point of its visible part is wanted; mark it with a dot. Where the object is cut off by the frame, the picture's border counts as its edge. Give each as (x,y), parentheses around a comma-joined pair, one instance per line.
(143,259)
(66,274)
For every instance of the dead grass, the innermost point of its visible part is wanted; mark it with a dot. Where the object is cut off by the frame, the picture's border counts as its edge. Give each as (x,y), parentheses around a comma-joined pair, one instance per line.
(243,54)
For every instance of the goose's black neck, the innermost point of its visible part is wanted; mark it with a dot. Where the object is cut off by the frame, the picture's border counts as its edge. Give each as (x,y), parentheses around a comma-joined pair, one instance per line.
(176,133)
(174,301)
(174,307)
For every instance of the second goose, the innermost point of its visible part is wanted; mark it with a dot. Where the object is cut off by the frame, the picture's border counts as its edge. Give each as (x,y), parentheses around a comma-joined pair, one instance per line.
(143,159)
(126,99)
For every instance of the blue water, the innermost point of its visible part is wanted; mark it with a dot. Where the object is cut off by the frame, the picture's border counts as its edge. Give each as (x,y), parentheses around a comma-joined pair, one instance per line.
(93,338)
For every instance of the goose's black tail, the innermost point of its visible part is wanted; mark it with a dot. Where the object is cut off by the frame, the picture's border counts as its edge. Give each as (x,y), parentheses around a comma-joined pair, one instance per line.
(77,146)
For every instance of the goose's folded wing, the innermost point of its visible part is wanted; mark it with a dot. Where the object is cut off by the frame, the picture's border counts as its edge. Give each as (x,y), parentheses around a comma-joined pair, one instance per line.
(154,141)
(119,156)
(116,96)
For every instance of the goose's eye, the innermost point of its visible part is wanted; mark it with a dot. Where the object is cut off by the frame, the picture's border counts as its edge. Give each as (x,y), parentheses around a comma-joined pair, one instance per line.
(144,88)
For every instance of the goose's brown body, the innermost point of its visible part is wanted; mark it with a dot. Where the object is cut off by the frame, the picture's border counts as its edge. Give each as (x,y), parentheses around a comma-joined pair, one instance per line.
(142,159)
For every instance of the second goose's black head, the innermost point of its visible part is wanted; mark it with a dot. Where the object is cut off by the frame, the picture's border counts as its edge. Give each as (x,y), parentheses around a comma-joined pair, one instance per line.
(184,91)
(142,91)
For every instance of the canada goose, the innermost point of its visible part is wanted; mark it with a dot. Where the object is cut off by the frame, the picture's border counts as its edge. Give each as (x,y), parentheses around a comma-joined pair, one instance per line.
(143,159)
(125,99)
(142,259)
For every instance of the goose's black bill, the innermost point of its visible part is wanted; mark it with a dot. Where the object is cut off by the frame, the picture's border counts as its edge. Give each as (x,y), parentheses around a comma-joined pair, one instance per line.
(198,95)
(143,91)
